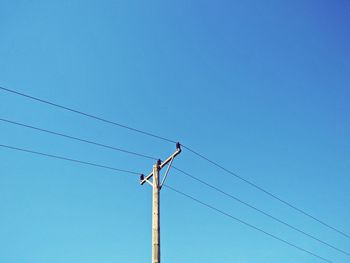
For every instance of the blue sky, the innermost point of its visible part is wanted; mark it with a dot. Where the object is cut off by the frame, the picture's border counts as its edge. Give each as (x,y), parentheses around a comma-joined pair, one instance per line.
(262,87)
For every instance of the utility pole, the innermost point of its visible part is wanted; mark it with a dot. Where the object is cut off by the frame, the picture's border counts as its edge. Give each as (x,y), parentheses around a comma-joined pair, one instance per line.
(157,186)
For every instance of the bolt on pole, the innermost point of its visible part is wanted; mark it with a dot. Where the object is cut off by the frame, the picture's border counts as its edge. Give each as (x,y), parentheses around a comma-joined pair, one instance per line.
(156,187)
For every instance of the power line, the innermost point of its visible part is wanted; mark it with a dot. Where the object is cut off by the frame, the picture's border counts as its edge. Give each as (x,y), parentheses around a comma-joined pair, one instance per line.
(266,192)
(183,172)
(248,224)
(259,210)
(185,147)
(78,139)
(179,192)
(68,159)
(87,115)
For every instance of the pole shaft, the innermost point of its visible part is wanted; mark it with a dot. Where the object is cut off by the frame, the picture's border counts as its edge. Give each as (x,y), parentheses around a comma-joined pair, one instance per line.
(155,217)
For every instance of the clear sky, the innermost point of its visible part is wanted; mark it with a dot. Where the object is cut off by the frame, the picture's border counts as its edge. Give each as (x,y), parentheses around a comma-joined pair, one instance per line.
(262,87)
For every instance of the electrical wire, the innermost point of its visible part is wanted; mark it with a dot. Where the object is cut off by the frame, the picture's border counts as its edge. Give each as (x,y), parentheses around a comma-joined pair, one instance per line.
(185,173)
(185,147)
(78,139)
(259,210)
(267,192)
(247,224)
(68,159)
(173,189)
(87,115)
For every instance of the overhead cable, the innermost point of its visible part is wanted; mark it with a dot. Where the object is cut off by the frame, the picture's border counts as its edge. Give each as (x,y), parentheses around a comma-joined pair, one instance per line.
(266,192)
(87,115)
(173,189)
(78,139)
(188,175)
(247,224)
(259,210)
(68,159)
(185,147)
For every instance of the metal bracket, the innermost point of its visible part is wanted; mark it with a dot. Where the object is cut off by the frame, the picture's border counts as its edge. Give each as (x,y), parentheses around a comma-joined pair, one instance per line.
(161,164)
(166,173)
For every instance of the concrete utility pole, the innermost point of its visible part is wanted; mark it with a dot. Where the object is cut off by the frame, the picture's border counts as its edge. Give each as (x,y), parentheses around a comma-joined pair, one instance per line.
(157,186)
